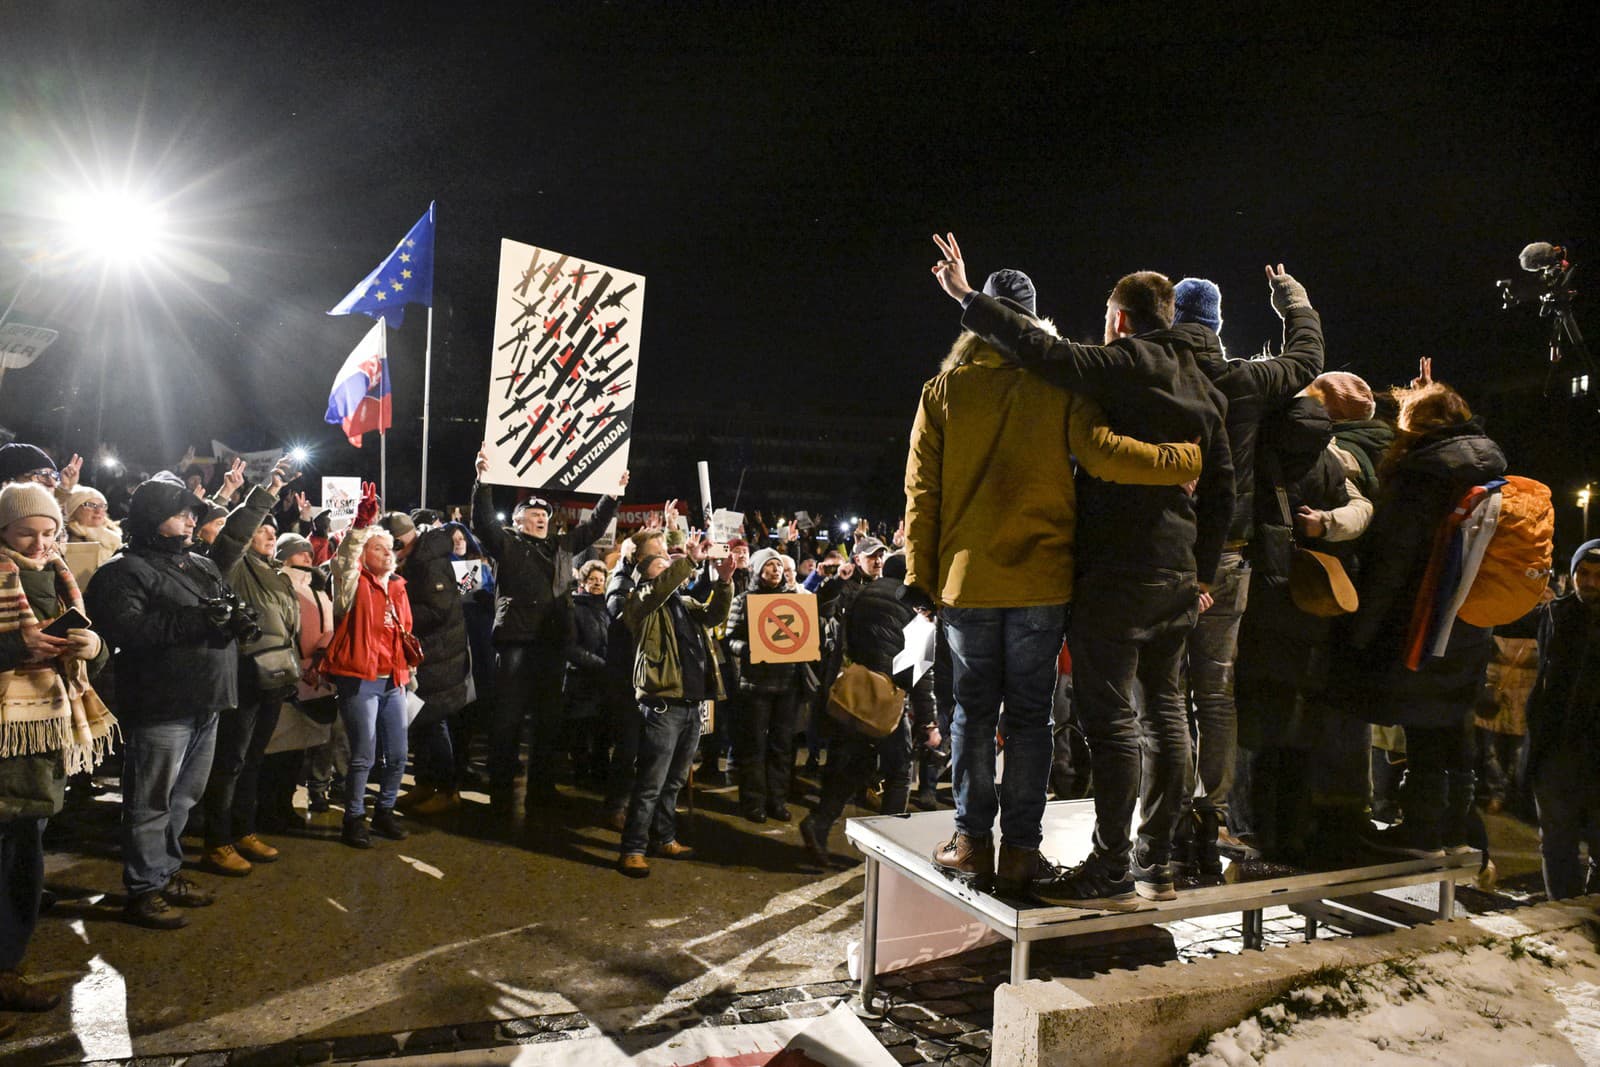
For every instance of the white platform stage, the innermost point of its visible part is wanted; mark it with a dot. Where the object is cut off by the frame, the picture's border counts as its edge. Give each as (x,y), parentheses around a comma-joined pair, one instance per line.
(905,843)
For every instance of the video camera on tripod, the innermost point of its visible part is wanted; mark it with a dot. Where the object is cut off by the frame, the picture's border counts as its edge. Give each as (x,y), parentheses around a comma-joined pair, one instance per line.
(1551,288)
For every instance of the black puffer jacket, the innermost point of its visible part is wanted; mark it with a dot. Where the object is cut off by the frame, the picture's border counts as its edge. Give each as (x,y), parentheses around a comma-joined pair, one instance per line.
(534,574)
(1293,448)
(1255,388)
(756,677)
(1283,652)
(586,655)
(874,635)
(1371,672)
(1152,389)
(171,661)
(437,620)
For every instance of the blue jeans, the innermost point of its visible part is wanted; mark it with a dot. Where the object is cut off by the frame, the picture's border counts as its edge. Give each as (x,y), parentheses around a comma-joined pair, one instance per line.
(164,770)
(374,716)
(1003,655)
(667,741)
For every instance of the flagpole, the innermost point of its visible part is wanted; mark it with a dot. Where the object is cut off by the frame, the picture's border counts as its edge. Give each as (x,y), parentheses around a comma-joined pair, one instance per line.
(383,434)
(427,394)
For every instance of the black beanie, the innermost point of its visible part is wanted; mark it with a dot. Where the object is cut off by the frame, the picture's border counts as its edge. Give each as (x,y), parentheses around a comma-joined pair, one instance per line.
(1013,287)
(17,459)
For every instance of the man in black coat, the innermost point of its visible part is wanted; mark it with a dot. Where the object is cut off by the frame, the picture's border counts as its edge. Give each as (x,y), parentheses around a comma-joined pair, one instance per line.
(532,623)
(177,667)
(1254,388)
(1564,728)
(1146,560)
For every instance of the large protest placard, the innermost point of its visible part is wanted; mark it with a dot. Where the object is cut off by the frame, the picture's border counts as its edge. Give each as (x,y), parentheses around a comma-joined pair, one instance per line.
(783,628)
(257,465)
(564,371)
(341,496)
(20,345)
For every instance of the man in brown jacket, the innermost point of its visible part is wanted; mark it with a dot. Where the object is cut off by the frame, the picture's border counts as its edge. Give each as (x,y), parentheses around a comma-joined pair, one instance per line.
(990,510)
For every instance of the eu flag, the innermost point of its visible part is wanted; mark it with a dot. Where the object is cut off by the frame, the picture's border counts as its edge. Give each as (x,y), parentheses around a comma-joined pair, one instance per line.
(405,277)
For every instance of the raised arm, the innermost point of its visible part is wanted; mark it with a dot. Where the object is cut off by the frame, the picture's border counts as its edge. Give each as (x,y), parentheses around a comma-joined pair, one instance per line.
(1302,358)
(1112,457)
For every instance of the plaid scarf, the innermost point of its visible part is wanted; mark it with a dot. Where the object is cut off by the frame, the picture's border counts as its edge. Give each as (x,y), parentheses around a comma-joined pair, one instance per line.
(49,706)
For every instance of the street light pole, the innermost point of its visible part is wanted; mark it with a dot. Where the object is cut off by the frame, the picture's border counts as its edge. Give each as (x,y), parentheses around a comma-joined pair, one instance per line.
(1584,496)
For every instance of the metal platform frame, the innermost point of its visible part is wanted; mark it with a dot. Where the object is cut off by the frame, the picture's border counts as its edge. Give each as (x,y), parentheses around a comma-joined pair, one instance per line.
(883,840)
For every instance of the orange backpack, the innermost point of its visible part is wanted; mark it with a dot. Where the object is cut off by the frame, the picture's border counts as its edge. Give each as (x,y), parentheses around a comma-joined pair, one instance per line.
(1516,564)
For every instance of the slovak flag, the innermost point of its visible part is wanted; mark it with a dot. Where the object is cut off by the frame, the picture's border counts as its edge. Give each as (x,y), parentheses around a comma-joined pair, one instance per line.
(360,398)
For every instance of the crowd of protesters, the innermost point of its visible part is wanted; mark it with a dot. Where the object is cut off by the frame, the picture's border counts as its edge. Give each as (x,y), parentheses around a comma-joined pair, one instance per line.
(1111,538)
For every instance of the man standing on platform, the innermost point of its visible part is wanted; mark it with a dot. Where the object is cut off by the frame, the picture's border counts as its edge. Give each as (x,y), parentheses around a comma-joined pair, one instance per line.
(1146,560)
(990,510)
(532,618)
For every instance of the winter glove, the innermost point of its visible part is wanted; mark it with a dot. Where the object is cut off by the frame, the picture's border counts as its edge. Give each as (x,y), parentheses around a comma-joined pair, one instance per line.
(913,597)
(85,643)
(367,510)
(1287,294)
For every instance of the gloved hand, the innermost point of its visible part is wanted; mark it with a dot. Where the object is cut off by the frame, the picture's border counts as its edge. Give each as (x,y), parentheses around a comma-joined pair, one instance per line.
(367,510)
(1287,294)
(85,643)
(913,597)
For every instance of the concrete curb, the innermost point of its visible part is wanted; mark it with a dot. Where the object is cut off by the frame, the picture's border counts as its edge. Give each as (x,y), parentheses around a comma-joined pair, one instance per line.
(1154,1015)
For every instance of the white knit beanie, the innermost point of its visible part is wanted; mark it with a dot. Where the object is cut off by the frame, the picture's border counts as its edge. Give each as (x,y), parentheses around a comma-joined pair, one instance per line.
(23,500)
(79,497)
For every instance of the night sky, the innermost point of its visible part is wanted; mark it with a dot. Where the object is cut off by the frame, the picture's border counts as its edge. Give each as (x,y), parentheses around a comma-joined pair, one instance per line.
(775,174)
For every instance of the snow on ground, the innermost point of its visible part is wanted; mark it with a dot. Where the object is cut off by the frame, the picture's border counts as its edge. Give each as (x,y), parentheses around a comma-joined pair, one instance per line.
(1521,1000)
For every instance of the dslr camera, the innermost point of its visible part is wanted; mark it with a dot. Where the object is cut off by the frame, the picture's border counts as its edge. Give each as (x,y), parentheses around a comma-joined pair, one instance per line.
(233,616)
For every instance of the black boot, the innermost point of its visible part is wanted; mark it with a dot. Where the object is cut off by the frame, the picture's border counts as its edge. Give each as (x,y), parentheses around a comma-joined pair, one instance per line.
(1419,835)
(1208,861)
(355,832)
(1460,791)
(385,824)
(1185,856)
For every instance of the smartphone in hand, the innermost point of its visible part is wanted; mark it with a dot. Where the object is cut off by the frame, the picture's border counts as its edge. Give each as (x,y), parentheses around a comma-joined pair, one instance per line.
(71,619)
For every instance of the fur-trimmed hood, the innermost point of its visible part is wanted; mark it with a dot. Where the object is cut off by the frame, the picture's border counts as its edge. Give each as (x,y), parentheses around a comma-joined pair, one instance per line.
(970,348)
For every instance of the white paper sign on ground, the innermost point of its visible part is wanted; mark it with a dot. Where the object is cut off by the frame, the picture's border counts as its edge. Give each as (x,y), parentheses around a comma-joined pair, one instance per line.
(837,1039)
(563,371)
(341,496)
(915,926)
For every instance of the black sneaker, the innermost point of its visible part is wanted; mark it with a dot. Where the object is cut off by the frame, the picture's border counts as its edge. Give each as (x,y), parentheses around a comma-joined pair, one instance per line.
(386,824)
(151,911)
(181,892)
(355,832)
(1153,882)
(1096,882)
(317,803)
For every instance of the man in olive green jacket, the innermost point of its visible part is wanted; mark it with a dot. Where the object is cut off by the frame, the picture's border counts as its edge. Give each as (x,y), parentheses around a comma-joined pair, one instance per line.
(990,523)
(676,670)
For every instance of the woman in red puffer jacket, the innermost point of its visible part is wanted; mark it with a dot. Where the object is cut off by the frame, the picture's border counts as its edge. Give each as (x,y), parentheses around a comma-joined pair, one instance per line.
(366,662)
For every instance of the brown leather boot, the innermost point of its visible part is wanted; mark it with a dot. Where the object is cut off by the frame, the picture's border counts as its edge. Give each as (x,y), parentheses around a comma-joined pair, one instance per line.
(1020,868)
(672,850)
(438,804)
(418,794)
(970,856)
(254,849)
(17,993)
(225,860)
(634,866)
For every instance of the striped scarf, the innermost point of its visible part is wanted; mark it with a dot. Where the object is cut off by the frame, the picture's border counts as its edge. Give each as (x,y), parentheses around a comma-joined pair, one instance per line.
(49,706)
